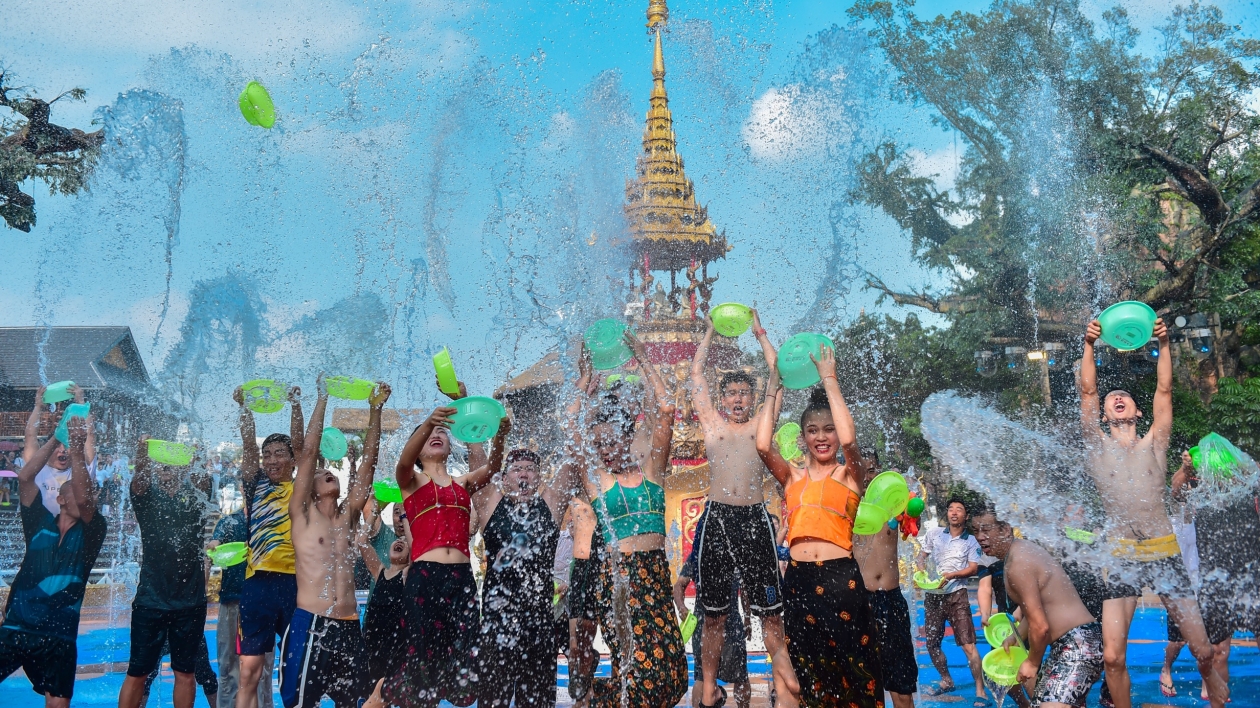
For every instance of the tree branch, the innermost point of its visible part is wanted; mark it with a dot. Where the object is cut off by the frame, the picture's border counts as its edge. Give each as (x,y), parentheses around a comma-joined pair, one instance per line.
(927,302)
(1199,189)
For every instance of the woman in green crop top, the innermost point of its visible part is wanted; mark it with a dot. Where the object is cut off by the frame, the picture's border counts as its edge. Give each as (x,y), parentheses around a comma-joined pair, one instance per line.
(629,500)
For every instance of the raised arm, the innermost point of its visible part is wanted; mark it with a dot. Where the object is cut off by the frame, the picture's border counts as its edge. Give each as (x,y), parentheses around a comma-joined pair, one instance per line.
(250,468)
(80,482)
(481,476)
(766,418)
(701,402)
(656,383)
(295,421)
(1161,422)
(370,559)
(28,490)
(1087,383)
(142,478)
(767,349)
(304,481)
(89,448)
(30,436)
(840,415)
(405,470)
(662,436)
(361,475)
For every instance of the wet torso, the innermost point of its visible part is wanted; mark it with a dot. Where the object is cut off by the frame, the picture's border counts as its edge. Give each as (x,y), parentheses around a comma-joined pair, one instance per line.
(325,556)
(520,540)
(172,572)
(820,517)
(877,558)
(735,468)
(631,514)
(1131,482)
(270,531)
(1063,607)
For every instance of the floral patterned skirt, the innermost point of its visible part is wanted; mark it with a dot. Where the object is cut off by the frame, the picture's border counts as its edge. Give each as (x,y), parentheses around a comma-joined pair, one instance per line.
(645,637)
(831,635)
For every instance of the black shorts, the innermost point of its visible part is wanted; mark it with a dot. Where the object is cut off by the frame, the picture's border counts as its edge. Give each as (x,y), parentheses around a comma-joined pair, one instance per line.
(323,656)
(896,645)
(48,661)
(584,581)
(738,540)
(1219,620)
(151,629)
(1167,577)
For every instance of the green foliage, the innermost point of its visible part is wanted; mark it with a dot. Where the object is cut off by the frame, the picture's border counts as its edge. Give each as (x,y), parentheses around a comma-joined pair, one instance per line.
(1236,413)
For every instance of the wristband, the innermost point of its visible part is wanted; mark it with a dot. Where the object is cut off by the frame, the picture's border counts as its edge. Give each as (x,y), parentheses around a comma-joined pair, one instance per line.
(759,332)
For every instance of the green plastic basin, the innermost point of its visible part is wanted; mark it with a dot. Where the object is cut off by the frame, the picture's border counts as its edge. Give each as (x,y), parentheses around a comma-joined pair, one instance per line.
(1002,667)
(788,438)
(387,492)
(870,519)
(264,395)
(74,410)
(226,555)
(921,580)
(256,105)
(58,392)
(731,319)
(349,388)
(890,492)
(796,370)
(448,382)
(1127,325)
(174,454)
(476,418)
(332,444)
(605,341)
(999,628)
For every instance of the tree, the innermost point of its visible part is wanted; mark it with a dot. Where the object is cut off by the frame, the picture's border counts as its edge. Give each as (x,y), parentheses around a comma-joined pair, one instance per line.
(32,147)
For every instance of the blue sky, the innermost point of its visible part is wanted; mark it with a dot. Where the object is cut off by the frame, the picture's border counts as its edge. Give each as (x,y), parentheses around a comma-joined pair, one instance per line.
(442,173)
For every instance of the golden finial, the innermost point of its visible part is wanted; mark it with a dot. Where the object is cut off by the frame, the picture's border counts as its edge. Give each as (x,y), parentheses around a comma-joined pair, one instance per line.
(657,14)
(658,60)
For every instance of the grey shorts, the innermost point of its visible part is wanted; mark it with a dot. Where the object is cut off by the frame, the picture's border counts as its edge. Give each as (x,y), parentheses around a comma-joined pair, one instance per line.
(1072,666)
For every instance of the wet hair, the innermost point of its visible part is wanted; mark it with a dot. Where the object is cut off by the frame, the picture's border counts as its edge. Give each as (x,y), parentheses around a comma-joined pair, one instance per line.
(735,377)
(1121,392)
(870,453)
(278,438)
(958,500)
(521,453)
(817,403)
(615,416)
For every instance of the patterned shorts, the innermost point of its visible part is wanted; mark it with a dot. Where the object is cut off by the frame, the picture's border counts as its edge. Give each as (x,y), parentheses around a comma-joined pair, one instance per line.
(1072,667)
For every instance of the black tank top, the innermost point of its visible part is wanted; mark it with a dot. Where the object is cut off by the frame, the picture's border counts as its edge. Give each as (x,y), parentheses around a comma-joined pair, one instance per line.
(520,541)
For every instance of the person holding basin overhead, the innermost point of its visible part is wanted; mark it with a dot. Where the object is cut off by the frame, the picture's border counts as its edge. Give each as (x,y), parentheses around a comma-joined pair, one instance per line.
(629,499)
(738,540)
(1053,619)
(441,616)
(831,635)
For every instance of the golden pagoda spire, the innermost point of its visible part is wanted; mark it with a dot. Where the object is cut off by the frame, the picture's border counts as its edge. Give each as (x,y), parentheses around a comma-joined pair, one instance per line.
(669,229)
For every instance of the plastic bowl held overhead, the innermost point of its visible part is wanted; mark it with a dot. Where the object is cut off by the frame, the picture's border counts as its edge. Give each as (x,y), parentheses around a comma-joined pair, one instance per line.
(1217,457)
(787,439)
(1002,667)
(332,444)
(387,492)
(264,395)
(74,410)
(870,519)
(226,555)
(476,418)
(174,454)
(1000,627)
(922,580)
(605,340)
(58,392)
(448,382)
(256,105)
(349,388)
(796,369)
(1127,325)
(889,491)
(731,319)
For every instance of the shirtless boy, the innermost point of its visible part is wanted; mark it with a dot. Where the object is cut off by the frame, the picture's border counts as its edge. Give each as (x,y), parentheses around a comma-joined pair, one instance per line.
(1053,617)
(739,536)
(1129,471)
(323,651)
(877,558)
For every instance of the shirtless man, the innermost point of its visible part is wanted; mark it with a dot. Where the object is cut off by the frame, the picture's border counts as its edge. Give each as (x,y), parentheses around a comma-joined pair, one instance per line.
(739,536)
(1129,471)
(1053,617)
(877,558)
(323,650)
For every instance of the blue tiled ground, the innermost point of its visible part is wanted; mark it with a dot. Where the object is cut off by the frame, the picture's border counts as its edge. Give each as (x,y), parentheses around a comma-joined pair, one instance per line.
(1146,652)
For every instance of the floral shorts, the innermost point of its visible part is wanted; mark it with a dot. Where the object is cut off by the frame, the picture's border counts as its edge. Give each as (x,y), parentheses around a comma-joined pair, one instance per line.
(1073,665)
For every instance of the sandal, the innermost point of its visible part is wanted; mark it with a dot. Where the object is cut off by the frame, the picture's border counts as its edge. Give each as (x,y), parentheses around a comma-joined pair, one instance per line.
(935,690)
(721,701)
(1167,689)
(982,702)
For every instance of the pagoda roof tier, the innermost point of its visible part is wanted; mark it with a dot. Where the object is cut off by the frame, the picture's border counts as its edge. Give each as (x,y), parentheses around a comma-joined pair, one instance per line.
(666,223)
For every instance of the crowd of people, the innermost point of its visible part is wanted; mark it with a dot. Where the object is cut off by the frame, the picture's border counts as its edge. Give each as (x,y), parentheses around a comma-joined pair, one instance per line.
(837,627)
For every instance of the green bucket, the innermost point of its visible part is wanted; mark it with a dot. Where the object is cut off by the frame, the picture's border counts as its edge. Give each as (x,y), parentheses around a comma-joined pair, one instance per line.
(1002,667)
(870,519)
(605,341)
(796,370)
(731,319)
(1080,535)
(264,395)
(448,382)
(1216,456)
(74,410)
(1127,325)
(58,392)
(890,492)
(787,437)
(476,418)
(688,627)
(349,388)
(174,454)
(387,492)
(1000,627)
(256,105)
(226,555)
(332,444)
(921,580)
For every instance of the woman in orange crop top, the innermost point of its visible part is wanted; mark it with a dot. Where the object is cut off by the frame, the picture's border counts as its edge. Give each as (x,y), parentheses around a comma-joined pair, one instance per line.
(442,614)
(826,616)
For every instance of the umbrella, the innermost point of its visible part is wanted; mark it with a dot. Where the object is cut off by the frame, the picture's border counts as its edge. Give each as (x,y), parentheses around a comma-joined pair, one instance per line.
(9,446)
(8,473)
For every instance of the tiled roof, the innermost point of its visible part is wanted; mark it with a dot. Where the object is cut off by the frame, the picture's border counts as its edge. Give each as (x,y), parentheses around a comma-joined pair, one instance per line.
(93,357)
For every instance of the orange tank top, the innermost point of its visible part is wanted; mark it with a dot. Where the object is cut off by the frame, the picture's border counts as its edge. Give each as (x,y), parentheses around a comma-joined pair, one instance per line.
(821,510)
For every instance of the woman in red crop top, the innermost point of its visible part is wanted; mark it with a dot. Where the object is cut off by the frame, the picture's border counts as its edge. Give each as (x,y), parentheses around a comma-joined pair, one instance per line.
(831,635)
(442,616)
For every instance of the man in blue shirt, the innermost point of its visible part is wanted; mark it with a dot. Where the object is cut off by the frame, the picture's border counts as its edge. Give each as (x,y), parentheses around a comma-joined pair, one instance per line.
(41,617)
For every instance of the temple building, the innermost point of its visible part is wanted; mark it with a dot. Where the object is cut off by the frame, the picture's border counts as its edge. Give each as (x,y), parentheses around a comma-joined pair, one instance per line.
(673,244)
